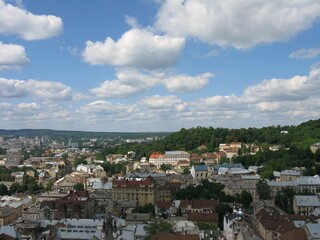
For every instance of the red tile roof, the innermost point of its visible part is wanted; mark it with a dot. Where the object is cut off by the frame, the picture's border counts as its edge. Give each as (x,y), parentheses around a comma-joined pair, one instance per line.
(168,236)
(156,155)
(203,217)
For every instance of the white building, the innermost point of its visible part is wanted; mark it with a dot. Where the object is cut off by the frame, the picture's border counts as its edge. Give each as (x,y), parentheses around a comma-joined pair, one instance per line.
(170,157)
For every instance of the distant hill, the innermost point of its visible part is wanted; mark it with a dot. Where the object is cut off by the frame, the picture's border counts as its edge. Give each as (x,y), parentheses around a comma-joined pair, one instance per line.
(77,134)
(301,136)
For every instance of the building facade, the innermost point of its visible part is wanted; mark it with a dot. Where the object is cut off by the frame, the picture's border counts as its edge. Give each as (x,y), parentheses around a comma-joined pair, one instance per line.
(143,191)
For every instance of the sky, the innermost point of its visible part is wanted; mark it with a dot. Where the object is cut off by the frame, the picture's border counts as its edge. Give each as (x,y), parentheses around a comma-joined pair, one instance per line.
(158,65)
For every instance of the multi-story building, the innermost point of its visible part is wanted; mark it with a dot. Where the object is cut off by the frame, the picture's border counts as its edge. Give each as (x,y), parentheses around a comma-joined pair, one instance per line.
(143,191)
(7,215)
(311,184)
(14,157)
(287,175)
(305,205)
(76,205)
(170,157)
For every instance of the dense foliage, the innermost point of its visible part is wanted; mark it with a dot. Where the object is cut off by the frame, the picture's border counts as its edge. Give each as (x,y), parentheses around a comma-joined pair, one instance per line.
(300,137)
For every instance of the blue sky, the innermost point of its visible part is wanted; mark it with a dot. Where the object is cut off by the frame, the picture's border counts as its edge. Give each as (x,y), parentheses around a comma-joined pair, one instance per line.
(150,65)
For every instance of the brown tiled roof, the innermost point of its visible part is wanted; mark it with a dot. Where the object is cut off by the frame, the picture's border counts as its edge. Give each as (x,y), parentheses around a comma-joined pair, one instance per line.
(168,236)
(6,211)
(200,204)
(134,183)
(273,220)
(295,234)
(164,204)
(184,203)
(203,217)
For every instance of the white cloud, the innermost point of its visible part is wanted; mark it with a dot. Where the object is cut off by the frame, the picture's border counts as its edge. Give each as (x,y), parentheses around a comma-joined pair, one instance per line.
(27,25)
(305,53)
(12,56)
(185,83)
(162,102)
(29,106)
(138,48)
(295,88)
(129,82)
(45,90)
(240,24)
(131,21)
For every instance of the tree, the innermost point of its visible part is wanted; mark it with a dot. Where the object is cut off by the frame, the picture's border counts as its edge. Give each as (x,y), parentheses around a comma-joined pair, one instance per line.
(158,226)
(245,199)
(79,187)
(80,160)
(185,171)
(284,199)
(222,209)
(263,190)
(48,186)
(165,167)
(3,190)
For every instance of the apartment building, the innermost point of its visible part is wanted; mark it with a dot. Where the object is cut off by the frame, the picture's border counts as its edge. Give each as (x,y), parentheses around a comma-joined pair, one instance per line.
(142,191)
(169,157)
(305,205)
(14,157)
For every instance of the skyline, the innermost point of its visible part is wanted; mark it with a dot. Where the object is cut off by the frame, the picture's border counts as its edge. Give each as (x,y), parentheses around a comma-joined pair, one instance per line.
(152,66)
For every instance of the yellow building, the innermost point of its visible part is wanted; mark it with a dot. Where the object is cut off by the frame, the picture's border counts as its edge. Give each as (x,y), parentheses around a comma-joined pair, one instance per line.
(143,192)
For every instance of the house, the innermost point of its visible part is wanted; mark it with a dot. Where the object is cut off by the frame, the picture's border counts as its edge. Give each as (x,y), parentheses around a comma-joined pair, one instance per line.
(272,224)
(305,205)
(287,175)
(7,215)
(199,172)
(234,188)
(198,206)
(76,205)
(229,223)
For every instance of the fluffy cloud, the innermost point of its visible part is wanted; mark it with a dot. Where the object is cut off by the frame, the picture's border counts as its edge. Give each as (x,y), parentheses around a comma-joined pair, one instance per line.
(129,82)
(45,90)
(26,25)
(12,56)
(184,83)
(305,53)
(296,88)
(137,48)
(240,24)
(162,102)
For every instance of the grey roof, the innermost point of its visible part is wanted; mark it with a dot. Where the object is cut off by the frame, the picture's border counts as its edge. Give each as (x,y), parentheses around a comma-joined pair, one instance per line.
(233,217)
(309,180)
(80,228)
(282,183)
(140,231)
(290,172)
(314,230)
(176,152)
(78,233)
(302,200)
(9,230)
(299,224)
(250,177)
(101,185)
